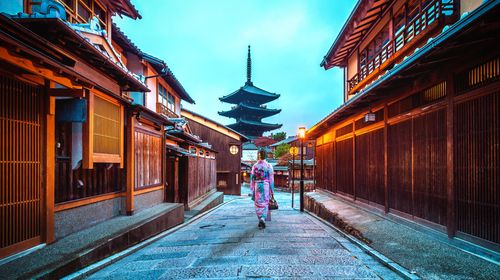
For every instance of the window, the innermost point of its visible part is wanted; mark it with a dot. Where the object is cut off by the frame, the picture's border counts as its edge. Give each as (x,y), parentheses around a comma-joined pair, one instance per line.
(166,99)
(171,102)
(375,46)
(162,95)
(107,130)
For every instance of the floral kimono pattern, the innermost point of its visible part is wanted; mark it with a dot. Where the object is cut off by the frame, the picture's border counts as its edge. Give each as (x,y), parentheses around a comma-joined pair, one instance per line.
(262,185)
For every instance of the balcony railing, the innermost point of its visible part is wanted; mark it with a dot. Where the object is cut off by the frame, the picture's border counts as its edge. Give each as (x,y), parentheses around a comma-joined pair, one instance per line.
(430,14)
(162,109)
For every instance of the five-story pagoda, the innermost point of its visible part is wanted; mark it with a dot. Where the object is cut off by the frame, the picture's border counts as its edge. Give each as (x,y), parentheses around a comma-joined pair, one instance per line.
(249,109)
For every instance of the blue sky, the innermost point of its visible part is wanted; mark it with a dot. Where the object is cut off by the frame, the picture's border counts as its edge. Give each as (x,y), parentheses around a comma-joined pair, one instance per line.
(205,45)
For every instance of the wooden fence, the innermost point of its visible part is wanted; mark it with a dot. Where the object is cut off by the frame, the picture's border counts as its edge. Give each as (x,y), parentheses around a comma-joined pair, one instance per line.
(403,164)
(198,177)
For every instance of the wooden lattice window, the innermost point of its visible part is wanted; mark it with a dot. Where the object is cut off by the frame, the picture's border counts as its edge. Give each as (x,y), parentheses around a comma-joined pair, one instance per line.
(166,98)
(107,127)
(419,99)
(103,131)
(479,75)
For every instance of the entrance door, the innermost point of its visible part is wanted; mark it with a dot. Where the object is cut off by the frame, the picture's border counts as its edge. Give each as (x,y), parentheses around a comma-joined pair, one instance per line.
(20,165)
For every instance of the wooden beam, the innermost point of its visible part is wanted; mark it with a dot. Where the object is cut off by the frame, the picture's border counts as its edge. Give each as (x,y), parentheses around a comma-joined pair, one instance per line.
(450,188)
(412,206)
(386,160)
(48,214)
(130,165)
(30,66)
(88,134)
(67,92)
(354,160)
(163,163)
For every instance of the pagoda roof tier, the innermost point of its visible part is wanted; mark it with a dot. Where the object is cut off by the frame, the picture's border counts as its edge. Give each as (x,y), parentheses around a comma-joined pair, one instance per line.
(244,109)
(246,125)
(251,93)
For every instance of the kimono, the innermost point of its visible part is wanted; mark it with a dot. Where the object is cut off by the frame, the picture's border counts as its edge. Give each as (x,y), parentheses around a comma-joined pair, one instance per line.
(262,185)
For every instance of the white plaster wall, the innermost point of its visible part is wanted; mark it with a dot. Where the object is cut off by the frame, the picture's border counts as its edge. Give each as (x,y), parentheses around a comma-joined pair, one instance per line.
(469,5)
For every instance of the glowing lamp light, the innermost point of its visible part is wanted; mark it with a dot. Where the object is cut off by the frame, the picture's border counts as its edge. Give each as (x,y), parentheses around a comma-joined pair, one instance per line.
(302,132)
(233,149)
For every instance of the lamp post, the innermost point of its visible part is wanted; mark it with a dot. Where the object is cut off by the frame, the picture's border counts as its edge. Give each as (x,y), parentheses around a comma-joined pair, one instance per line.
(302,135)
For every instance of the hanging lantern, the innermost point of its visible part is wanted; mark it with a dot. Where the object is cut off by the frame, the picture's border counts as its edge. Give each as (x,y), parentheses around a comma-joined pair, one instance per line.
(233,149)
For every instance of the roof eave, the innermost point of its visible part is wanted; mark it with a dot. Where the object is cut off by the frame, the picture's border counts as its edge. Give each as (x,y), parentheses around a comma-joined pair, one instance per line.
(439,39)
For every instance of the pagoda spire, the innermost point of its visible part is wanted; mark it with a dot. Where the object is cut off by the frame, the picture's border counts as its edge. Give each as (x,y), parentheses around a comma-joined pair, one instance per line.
(249,110)
(249,68)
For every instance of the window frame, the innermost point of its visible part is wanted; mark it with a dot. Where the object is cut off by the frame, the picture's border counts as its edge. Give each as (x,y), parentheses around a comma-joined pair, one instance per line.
(89,155)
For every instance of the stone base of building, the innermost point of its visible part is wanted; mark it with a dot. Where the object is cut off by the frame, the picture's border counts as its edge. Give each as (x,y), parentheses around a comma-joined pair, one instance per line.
(85,247)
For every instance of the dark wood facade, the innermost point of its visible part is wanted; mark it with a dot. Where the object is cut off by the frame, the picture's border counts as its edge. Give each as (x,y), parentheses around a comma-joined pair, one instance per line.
(222,140)
(431,154)
(197,179)
(69,135)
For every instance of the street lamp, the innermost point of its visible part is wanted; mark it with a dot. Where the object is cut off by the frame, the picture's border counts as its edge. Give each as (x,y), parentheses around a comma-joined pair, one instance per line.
(302,136)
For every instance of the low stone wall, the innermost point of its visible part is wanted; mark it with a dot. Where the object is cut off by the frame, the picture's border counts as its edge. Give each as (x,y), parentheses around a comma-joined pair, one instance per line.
(149,199)
(72,220)
(317,207)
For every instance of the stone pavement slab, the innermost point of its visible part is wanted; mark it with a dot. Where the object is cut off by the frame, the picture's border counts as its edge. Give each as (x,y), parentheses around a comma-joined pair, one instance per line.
(226,244)
(414,250)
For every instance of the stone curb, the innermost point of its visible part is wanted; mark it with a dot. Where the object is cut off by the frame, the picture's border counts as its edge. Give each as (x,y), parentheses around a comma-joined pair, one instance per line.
(83,273)
(403,272)
(111,245)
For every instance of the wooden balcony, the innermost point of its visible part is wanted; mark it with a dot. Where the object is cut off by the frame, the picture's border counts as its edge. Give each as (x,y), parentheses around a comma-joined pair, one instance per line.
(162,109)
(404,40)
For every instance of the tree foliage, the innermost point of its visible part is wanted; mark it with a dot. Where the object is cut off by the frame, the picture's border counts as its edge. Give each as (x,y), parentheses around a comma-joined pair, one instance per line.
(279,136)
(281,149)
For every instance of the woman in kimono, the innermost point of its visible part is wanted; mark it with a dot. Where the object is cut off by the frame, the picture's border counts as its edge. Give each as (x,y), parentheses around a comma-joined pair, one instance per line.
(262,186)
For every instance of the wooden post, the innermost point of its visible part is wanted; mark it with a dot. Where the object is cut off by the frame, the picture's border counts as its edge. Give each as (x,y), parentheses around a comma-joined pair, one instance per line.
(129,204)
(450,189)
(175,173)
(412,154)
(88,134)
(48,214)
(386,160)
(354,160)
(163,163)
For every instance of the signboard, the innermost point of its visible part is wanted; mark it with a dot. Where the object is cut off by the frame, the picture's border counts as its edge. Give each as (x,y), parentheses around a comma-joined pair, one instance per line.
(294,151)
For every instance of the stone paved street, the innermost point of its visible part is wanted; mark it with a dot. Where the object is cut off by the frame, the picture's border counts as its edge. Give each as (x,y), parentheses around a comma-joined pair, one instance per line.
(227,244)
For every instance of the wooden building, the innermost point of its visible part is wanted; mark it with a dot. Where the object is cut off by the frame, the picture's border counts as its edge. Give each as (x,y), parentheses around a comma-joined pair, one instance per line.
(83,120)
(191,166)
(63,120)
(228,145)
(419,131)
(188,166)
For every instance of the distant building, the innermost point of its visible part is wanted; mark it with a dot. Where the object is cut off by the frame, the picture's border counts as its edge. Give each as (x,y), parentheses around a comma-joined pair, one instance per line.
(249,110)
(293,141)
(228,145)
